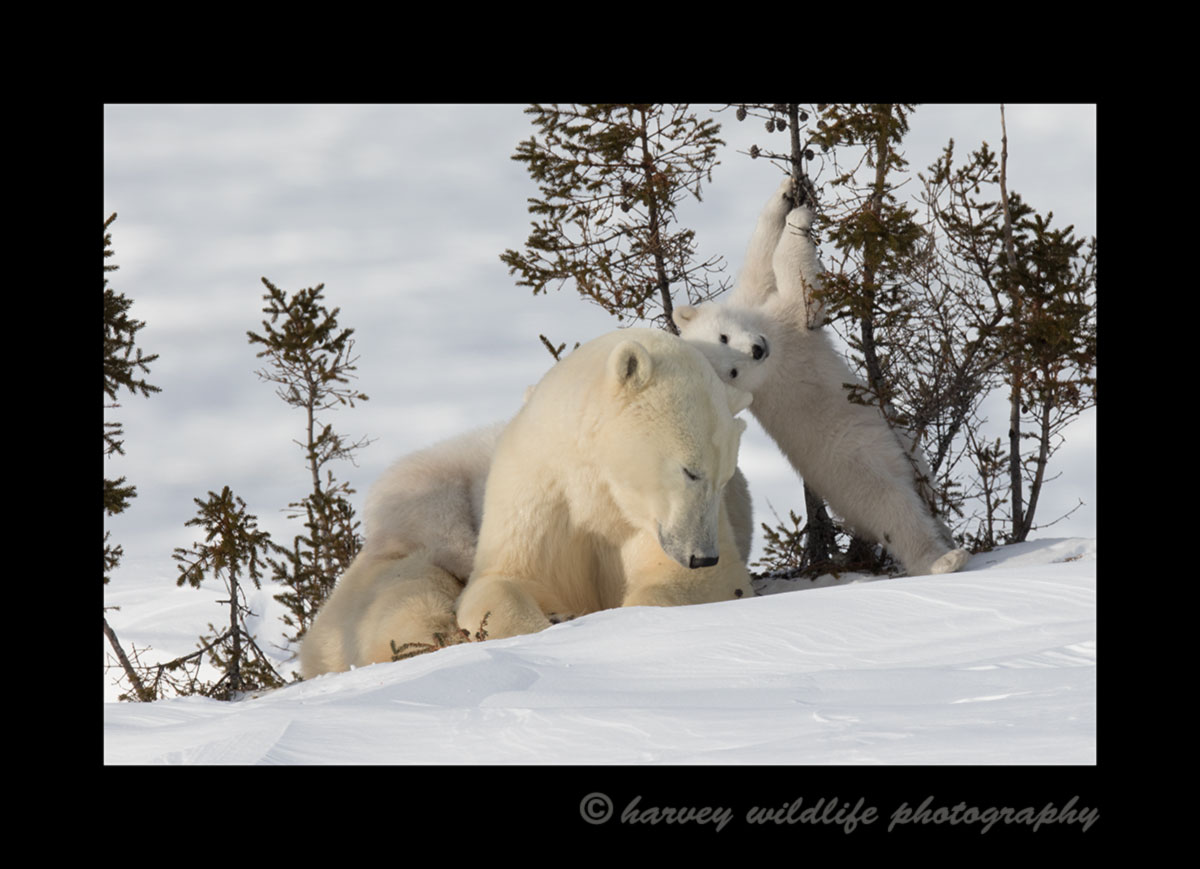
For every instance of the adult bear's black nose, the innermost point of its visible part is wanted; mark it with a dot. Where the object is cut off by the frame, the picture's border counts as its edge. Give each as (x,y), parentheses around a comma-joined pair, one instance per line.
(695,562)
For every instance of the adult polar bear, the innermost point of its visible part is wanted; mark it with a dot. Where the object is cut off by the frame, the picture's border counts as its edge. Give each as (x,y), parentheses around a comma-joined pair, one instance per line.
(607,487)
(423,516)
(433,499)
(763,340)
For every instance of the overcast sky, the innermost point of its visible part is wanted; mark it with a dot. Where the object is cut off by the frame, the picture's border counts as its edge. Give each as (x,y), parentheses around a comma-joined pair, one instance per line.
(402,211)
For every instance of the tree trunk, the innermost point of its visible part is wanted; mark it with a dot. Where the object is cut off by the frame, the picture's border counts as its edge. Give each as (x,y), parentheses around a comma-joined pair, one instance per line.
(660,267)
(820,543)
(131,674)
(1016,371)
(870,270)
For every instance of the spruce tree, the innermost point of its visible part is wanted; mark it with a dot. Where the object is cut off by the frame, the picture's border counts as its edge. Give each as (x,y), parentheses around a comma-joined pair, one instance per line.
(233,551)
(610,177)
(1030,293)
(1048,343)
(124,363)
(925,351)
(876,229)
(923,354)
(311,360)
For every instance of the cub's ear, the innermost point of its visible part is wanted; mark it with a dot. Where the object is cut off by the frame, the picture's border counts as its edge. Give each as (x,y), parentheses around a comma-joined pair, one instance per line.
(739,399)
(683,314)
(629,367)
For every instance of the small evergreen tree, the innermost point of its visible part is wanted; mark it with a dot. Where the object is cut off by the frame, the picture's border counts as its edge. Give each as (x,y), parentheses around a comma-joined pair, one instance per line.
(311,361)
(123,365)
(786,553)
(924,354)
(233,550)
(876,229)
(1049,343)
(310,358)
(990,461)
(1030,291)
(611,176)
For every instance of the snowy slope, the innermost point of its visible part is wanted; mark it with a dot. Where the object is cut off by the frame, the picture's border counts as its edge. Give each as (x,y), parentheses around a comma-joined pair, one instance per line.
(994,665)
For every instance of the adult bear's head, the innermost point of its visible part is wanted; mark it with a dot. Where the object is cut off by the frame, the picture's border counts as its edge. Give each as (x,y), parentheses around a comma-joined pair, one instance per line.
(667,442)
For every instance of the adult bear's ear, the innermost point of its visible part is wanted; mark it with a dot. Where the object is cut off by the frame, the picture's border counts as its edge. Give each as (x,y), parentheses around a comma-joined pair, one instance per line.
(739,399)
(629,366)
(683,314)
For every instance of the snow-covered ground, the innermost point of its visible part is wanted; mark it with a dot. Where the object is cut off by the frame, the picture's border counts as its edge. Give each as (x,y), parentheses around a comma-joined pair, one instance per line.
(993,665)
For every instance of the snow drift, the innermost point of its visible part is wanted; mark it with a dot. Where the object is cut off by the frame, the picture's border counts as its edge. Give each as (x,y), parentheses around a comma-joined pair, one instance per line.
(993,665)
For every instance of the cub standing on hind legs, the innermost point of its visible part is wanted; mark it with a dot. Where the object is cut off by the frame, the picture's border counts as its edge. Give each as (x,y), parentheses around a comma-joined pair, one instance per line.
(762,341)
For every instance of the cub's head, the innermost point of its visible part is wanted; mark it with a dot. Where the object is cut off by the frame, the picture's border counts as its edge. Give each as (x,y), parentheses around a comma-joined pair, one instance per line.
(669,444)
(736,341)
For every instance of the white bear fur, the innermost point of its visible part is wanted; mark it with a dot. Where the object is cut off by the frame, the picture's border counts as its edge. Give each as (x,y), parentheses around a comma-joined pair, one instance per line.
(757,282)
(376,602)
(606,489)
(432,499)
(846,452)
(422,520)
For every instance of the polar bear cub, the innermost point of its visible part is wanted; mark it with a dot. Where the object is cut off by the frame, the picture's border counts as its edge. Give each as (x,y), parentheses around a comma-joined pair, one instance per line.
(846,452)
(607,488)
(432,499)
(736,341)
(379,602)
